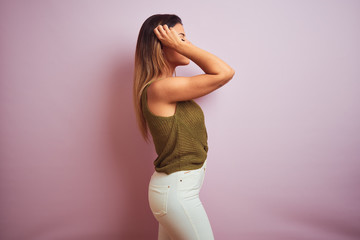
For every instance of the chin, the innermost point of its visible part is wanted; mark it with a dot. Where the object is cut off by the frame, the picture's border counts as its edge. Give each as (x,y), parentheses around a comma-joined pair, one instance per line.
(185,62)
(181,62)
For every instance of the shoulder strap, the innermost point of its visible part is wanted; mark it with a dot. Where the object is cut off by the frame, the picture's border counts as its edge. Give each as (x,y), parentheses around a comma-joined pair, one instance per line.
(147,84)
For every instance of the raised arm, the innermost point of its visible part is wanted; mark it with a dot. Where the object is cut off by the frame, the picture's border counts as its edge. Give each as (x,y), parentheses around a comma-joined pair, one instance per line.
(173,89)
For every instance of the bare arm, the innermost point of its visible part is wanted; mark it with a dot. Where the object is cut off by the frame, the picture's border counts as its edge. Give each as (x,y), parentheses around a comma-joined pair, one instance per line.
(173,89)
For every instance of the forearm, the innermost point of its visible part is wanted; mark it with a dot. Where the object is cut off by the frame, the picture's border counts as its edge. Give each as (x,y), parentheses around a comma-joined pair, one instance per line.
(208,62)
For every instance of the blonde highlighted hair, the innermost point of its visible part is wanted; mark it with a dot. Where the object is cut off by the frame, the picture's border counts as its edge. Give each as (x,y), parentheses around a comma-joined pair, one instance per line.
(149,62)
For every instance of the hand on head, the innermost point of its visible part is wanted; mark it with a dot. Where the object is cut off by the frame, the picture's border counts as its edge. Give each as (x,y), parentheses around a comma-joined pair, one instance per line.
(168,36)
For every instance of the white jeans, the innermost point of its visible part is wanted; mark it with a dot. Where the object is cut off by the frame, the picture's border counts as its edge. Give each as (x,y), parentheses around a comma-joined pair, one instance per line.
(175,203)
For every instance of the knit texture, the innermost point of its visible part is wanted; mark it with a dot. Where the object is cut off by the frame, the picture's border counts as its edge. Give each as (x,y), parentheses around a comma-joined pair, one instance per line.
(180,140)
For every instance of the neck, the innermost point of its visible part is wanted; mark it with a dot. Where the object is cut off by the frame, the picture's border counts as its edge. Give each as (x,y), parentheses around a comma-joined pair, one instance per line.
(169,73)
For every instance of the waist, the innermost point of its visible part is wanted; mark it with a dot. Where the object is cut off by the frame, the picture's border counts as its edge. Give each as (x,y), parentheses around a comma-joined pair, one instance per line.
(161,178)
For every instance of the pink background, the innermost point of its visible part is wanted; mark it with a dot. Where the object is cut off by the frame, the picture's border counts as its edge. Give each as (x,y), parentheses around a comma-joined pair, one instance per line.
(284,142)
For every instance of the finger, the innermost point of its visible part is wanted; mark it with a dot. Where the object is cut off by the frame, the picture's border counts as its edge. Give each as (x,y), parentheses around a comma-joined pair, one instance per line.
(161,30)
(166,28)
(157,33)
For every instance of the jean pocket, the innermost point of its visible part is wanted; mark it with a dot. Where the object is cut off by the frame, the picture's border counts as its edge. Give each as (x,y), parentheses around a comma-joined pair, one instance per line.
(158,198)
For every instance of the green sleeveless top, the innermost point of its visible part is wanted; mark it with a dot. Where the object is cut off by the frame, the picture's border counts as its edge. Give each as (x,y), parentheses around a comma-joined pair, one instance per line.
(181,139)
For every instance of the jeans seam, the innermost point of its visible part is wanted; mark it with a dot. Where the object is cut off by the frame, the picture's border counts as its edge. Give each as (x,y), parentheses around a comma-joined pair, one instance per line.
(192,223)
(186,212)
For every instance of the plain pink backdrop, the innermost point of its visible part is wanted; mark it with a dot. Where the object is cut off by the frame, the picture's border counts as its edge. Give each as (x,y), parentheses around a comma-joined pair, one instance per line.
(284,143)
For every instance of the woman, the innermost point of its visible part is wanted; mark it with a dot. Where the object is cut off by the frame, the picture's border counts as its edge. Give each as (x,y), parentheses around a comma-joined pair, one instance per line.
(164,105)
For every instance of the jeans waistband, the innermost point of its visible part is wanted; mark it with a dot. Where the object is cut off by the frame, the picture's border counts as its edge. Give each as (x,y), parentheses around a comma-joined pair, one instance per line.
(160,178)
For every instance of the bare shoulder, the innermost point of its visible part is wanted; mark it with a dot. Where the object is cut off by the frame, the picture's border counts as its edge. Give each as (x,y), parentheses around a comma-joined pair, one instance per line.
(154,86)
(157,103)
(155,89)
(175,89)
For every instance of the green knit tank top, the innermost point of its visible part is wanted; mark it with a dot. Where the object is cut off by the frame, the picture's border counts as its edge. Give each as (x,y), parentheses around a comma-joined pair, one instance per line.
(181,139)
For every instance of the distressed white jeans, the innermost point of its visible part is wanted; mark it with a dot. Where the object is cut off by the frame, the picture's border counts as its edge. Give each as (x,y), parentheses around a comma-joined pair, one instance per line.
(175,203)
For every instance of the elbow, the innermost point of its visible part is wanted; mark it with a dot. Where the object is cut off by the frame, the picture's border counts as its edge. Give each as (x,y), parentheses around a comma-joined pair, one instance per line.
(225,76)
(231,73)
(228,74)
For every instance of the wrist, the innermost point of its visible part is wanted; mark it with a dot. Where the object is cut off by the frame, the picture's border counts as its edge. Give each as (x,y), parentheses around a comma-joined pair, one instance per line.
(182,47)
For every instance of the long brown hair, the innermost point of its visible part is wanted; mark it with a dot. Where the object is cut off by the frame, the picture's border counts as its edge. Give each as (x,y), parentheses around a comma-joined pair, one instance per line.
(149,61)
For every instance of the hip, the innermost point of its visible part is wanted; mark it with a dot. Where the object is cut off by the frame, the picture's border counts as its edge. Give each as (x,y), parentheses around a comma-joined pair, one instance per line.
(179,179)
